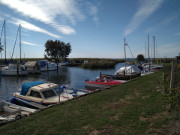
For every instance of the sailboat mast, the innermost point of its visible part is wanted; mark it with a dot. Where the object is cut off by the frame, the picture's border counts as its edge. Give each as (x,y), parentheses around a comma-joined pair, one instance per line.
(5,38)
(125,54)
(148,49)
(20,40)
(154,46)
(145,51)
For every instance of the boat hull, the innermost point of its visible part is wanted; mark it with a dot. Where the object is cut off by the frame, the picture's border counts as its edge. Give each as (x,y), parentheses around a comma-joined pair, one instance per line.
(13,73)
(122,77)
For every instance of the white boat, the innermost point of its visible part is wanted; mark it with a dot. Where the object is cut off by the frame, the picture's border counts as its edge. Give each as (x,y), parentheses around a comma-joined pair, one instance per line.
(52,66)
(131,69)
(73,92)
(45,65)
(10,112)
(40,92)
(63,63)
(14,70)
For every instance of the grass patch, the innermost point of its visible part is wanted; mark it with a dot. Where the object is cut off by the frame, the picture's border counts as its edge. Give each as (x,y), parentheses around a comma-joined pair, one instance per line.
(133,108)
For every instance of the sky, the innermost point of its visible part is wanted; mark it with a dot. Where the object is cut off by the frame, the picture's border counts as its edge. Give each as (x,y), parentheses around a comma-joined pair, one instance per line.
(95,28)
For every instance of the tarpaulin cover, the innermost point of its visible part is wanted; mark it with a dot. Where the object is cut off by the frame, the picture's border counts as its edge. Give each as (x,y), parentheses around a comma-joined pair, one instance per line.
(42,63)
(27,86)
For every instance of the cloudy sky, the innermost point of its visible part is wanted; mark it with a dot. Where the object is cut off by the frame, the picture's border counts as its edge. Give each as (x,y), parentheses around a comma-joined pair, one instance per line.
(95,28)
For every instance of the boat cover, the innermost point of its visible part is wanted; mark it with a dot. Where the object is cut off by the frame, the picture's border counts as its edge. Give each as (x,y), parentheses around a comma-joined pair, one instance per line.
(129,70)
(27,86)
(42,63)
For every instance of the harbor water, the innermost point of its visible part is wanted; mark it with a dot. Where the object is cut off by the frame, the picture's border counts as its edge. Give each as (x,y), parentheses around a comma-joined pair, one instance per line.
(73,77)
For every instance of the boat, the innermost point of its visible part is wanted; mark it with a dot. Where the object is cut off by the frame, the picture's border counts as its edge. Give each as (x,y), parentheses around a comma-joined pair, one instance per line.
(38,92)
(101,83)
(45,65)
(125,73)
(63,63)
(33,67)
(14,70)
(74,92)
(52,66)
(10,112)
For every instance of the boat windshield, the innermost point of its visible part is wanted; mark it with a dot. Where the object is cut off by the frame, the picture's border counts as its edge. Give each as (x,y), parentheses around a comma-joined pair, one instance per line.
(48,93)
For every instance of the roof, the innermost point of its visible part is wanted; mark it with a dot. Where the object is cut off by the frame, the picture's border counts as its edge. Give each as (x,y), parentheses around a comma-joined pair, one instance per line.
(31,63)
(27,86)
(44,86)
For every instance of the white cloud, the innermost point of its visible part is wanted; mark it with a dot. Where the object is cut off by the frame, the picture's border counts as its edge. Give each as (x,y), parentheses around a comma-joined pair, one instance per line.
(147,7)
(169,19)
(32,27)
(93,11)
(47,11)
(28,43)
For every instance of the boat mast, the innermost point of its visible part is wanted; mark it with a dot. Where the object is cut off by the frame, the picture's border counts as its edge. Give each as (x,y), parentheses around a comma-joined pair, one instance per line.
(148,49)
(125,54)
(154,46)
(145,51)
(5,38)
(20,40)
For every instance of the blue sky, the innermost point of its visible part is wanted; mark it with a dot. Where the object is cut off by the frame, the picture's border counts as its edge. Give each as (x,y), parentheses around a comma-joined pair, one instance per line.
(95,28)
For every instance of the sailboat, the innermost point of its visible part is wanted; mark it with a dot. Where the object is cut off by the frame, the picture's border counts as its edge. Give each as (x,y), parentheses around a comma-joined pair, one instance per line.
(127,72)
(15,69)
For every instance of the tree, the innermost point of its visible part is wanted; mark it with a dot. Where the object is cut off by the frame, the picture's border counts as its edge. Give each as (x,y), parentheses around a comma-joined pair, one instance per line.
(57,49)
(140,57)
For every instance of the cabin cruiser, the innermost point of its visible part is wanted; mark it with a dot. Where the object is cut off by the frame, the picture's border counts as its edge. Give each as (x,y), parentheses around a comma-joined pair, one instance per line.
(38,92)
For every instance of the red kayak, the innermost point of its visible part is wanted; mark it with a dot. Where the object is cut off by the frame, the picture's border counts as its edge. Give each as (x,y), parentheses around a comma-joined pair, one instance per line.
(102,83)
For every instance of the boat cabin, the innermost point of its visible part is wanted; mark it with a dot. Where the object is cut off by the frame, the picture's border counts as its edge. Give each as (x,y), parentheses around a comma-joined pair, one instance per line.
(39,89)
(33,67)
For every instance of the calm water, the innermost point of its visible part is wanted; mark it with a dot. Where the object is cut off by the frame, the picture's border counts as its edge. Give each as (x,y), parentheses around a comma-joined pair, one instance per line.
(70,76)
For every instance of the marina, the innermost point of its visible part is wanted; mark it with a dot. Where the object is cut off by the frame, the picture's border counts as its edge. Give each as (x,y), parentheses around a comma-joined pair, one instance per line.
(77,67)
(73,77)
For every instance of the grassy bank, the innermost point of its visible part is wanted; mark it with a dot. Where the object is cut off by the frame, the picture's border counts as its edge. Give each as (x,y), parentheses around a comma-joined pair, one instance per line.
(137,107)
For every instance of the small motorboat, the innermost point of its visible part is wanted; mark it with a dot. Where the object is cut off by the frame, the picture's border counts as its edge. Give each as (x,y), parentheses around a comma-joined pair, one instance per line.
(101,83)
(38,92)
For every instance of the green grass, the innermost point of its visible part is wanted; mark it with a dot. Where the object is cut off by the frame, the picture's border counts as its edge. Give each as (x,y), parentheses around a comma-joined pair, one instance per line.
(133,108)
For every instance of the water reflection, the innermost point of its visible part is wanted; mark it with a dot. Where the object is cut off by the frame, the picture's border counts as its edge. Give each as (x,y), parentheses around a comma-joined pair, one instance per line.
(70,76)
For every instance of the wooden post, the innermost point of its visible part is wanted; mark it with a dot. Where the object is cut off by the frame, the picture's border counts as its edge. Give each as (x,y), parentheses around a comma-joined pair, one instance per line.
(47,66)
(172,76)
(59,93)
(17,69)
(163,80)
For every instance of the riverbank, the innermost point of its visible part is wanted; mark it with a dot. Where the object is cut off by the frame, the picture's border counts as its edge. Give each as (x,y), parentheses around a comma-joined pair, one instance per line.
(137,107)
